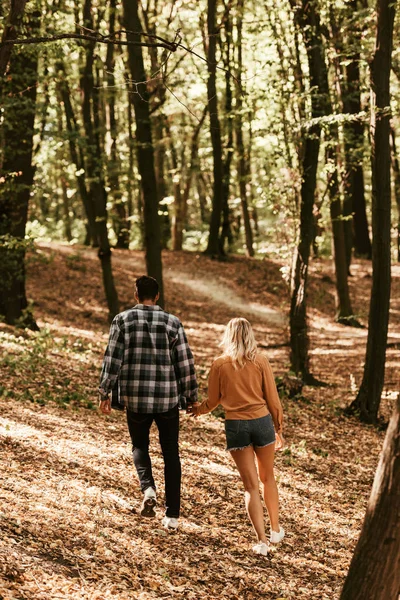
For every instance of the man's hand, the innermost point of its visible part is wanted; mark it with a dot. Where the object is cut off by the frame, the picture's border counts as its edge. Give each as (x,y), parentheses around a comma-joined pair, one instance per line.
(105,406)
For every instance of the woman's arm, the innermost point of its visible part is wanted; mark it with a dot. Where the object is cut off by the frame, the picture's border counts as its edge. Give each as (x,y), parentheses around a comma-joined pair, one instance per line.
(271,396)
(213,394)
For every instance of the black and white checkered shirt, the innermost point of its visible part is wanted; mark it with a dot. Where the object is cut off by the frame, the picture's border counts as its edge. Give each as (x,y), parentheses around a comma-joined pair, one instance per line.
(149,359)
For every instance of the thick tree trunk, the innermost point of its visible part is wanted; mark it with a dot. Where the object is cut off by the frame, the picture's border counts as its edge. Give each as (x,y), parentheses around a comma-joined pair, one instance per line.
(97,194)
(213,248)
(299,341)
(145,153)
(19,105)
(241,164)
(396,176)
(369,396)
(374,572)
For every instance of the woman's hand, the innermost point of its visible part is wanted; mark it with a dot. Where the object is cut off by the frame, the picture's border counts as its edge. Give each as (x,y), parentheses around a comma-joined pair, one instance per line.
(279,442)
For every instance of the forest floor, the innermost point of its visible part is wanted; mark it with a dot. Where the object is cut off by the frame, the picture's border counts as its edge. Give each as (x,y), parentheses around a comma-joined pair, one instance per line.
(70,527)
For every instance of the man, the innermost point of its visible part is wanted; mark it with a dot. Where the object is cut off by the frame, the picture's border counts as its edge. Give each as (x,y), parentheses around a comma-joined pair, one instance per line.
(149,359)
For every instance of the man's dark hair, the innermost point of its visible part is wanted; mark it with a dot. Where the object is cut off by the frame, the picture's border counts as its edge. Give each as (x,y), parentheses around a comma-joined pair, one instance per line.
(146,288)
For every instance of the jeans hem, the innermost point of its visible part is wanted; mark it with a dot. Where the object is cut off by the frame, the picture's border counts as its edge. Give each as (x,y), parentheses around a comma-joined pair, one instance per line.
(239,448)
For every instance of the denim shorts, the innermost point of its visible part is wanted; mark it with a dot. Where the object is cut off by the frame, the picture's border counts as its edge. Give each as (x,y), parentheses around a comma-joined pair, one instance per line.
(253,432)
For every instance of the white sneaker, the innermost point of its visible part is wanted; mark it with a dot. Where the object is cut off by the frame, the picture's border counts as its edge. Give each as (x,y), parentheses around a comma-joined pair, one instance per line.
(277,536)
(149,503)
(261,548)
(170,523)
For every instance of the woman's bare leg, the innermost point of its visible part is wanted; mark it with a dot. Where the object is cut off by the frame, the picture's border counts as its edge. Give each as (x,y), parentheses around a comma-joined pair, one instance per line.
(245,463)
(265,458)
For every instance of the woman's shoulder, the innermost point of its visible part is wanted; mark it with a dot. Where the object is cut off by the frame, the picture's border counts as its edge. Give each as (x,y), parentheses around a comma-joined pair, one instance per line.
(261,360)
(220,360)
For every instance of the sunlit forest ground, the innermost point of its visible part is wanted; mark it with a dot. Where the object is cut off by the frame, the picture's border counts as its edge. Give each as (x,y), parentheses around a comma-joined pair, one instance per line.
(69,499)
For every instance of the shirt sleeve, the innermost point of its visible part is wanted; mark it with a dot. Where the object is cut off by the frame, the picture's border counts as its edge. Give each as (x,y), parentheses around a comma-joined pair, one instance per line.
(113,359)
(214,392)
(271,396)
(184,367)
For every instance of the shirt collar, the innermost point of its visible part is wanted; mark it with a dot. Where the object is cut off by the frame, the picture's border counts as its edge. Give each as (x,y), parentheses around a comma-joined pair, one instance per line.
(148,307)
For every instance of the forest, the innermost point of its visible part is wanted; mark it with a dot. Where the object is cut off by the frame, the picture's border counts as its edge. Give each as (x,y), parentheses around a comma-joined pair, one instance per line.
(246,155)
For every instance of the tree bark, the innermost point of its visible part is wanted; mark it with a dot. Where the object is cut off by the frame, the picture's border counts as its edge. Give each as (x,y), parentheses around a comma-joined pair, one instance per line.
(19,106)
(120,217)
(10,32)
(299,340)
(396,176)
(241,165)
(368,399)
(76,154)
(354,208)
(145,153)
(374,572)
(213,247)
(97,193)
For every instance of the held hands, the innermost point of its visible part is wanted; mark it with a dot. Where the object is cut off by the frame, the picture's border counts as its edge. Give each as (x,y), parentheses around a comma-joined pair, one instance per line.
(193,409)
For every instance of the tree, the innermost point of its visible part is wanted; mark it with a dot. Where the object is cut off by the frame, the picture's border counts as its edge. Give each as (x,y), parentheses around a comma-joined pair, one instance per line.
(368,399)
(374,572)
(213,248)
(144,146)
(18,100)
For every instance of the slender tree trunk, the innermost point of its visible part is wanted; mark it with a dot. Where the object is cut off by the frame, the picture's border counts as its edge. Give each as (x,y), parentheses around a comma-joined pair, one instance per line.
(64,188)
(354,208)
(97,194)
(159,126)
(178,217)
(10,32)
(120,220)
(226,233)
(213,248)
(241,165)
(374,572)
(368,399)
(76,154)
(145,153)
(396,176)
(19,105)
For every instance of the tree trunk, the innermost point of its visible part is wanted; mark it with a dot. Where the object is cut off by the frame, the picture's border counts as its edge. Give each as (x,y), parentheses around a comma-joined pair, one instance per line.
(354,208)
(299,341)
(145,153)
(241,166)
(213,248)
(76,154)
(396,175)
(97,194)
(162,189)
(10,32)
(374,572)
(120,220)
(19,105)
(368,399)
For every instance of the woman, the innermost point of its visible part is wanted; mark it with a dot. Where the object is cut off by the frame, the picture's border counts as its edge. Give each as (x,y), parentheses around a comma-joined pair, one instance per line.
(242,381)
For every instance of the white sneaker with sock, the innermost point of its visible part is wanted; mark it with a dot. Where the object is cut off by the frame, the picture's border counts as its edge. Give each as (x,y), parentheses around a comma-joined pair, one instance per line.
(149,503)
(170,523)
(261,548)
(277,536)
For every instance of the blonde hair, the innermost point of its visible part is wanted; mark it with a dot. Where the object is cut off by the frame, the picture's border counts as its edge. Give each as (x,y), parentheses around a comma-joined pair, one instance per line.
(239,342)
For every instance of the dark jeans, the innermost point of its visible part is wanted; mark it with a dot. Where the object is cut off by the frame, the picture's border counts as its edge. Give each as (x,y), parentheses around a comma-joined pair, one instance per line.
(168,431)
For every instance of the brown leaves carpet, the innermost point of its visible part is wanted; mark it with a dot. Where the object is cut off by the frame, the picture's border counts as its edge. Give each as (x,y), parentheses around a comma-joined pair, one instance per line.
(69,500)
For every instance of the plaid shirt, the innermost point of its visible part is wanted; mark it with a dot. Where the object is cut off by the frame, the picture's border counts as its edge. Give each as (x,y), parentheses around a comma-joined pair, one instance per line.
(149,358)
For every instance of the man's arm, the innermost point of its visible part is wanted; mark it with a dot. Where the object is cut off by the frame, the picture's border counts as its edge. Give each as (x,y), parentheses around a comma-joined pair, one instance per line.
(184,367)
(112,362)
